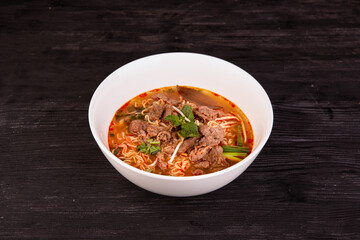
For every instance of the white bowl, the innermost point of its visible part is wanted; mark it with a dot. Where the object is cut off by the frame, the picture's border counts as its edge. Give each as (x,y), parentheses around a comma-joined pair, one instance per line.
(191,69)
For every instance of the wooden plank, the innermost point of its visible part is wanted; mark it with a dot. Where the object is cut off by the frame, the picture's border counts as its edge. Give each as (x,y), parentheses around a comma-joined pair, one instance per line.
(56,184)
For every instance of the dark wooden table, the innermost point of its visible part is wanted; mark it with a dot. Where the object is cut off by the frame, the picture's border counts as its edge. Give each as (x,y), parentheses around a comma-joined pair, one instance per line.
(56,184)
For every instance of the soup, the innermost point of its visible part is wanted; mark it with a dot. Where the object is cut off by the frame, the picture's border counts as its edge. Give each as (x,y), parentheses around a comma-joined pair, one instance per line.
(180,131)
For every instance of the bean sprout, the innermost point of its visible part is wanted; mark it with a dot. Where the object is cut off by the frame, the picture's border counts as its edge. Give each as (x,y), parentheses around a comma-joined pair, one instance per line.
(181,113)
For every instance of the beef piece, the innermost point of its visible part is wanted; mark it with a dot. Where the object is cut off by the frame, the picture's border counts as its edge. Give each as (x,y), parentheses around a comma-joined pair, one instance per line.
(169,110)
(153,130)
(175,136)
(198,172)
(169,148)
(198,153)
(168,99)
(143,136)
(215,155)
(156,111)
(212,135)
(138,127)
(161,162)
(164,136)
(188,144)
(206,113)
(202,164)
(197,96)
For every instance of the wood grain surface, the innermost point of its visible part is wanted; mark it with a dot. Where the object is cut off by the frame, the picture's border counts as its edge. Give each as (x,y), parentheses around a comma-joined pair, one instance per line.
(56,184)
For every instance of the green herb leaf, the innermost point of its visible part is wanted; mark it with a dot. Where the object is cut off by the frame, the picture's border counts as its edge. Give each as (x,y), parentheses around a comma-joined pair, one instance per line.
(142,148)
(131,109)
(119,114)
(112,134)
(137,116)
(150,148)
(176,120)
(189,129)
(117,150)
(148,170)
(187,110)
(240,141)
(154,149)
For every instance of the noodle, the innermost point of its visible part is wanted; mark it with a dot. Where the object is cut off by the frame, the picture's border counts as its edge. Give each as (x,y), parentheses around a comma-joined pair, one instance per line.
(125,144)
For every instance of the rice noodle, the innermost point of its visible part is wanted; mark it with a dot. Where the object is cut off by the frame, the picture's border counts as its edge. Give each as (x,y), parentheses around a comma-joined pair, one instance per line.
(143,112)
(227,118)
(144,102)
(212,124)
(156,122)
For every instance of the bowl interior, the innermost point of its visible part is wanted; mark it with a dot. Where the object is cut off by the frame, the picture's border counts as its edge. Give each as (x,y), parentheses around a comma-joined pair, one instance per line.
(188,69)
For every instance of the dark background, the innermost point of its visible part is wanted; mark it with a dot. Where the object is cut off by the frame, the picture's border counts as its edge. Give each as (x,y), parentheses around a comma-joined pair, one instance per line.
(56,184)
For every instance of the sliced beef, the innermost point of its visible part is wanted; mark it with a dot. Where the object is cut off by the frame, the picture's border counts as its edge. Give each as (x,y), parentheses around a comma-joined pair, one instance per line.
(197,96)
(138,126)
(161,162)
(169,110)
(188,144)
(175,135)
(198,153)
(169,148)
(206,113)
(202,164)
(211,135)
(164,136)
(156,111)
(173,100)
(215,155)
(153,130)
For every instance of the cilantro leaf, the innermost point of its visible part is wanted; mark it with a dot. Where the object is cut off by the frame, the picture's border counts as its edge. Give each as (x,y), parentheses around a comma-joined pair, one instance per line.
(189,129)
(142,147)
(151,148)
(187,110)
(176,120)
(154,149)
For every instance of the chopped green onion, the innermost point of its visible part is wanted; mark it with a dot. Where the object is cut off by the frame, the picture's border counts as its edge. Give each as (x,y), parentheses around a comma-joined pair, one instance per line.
(117,150)
(136,116)
(131,109)
(233,158)
(235,154)
(152,141)
(119,114)
(240,141)
(235,149)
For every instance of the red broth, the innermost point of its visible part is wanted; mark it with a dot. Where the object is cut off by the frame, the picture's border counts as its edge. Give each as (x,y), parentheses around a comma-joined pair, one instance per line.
(219,133)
